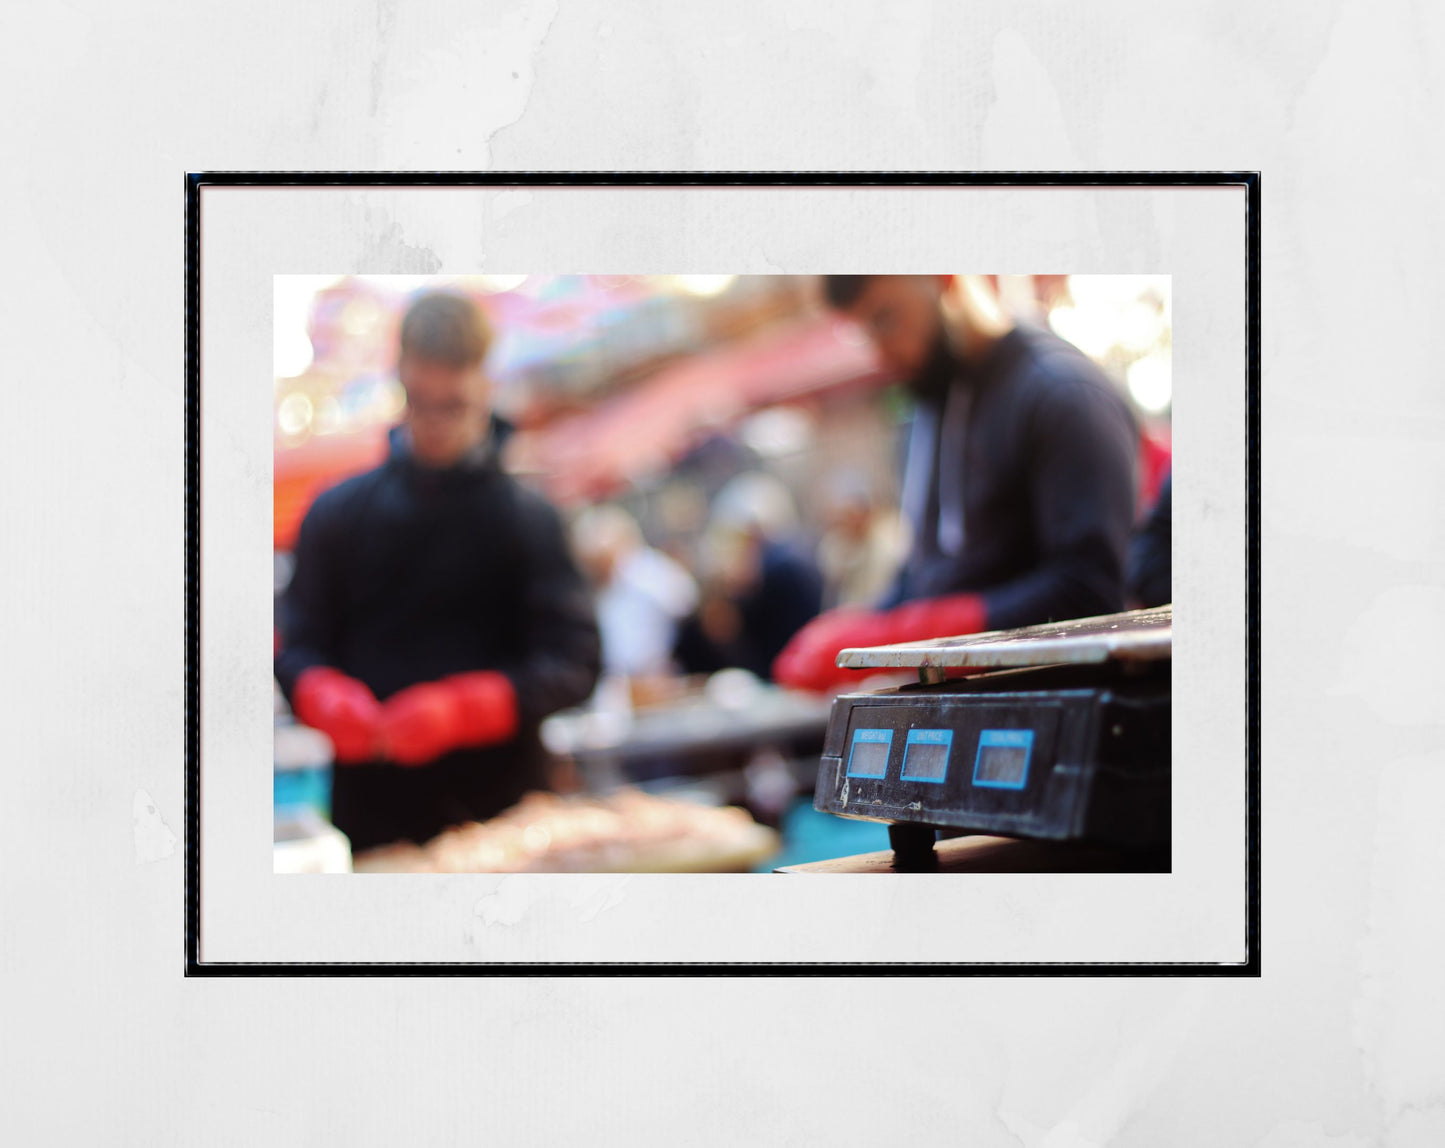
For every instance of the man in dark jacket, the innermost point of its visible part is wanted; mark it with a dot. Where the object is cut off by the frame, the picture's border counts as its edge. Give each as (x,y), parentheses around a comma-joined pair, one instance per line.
(435,614)
(1020,480)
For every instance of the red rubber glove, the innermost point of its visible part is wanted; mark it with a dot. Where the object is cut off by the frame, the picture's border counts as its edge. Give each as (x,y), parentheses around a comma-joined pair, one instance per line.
(810,659)
(421,723)
(340,707)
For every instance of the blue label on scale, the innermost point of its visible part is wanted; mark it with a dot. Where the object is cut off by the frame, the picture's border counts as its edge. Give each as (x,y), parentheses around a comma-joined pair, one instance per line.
(1003,758)
(869,755)
(925,755)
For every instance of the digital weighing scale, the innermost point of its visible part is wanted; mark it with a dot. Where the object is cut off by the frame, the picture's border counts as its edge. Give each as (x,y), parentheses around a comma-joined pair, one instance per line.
(1061,733)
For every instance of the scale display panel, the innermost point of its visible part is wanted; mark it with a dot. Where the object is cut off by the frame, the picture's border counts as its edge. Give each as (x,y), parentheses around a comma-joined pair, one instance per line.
(1003,758)
(1062,753)
(869,755)
(926,756)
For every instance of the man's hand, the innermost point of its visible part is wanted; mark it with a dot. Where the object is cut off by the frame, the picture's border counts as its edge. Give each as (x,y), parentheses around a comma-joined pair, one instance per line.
(809,661)
(421,723)
(342,708)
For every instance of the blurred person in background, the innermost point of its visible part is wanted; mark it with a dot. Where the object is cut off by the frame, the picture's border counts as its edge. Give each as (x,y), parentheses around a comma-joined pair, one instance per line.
(642,593)
(435,614)
(759,584)
(1020,479)
(863,543)
(1150,570)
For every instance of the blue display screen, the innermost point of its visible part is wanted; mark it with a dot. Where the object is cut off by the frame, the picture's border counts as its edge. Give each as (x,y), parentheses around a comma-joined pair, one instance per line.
(925,755)
(869,754)
(1003,758)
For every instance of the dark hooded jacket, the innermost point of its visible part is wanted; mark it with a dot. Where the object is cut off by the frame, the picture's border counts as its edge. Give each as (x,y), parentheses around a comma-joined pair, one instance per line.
(407,574)
(1022,482)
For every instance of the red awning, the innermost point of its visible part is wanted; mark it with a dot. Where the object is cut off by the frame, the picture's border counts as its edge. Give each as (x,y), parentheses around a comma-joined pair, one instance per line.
(304,471)
(650,427)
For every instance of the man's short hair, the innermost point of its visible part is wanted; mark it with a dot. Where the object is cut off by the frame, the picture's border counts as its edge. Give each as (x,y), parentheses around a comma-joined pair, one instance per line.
(444,327)
(842,291)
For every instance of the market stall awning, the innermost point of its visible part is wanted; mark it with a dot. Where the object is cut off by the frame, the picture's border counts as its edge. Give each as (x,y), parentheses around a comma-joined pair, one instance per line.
(304,471)
(645,430)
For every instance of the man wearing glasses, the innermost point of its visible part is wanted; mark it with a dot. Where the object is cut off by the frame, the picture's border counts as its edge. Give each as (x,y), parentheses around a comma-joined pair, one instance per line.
(1020,480)
(435,614)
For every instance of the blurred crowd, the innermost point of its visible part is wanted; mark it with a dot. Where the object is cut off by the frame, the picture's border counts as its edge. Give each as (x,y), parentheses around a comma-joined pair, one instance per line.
(752,579)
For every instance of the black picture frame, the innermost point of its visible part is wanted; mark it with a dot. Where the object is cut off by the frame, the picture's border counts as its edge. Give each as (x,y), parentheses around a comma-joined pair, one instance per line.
(196,181)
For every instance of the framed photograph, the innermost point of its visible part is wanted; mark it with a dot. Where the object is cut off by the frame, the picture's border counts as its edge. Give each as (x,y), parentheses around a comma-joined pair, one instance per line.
(661,573)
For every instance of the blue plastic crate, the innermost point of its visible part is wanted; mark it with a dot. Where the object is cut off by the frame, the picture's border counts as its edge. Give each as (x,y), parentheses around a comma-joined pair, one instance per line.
(302,772)
(297,789)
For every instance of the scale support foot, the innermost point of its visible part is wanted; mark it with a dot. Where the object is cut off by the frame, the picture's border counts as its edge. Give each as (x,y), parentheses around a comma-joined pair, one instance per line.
(912,847)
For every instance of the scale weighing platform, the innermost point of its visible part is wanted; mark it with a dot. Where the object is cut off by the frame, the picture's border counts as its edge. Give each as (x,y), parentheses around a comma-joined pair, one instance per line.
(1058,733)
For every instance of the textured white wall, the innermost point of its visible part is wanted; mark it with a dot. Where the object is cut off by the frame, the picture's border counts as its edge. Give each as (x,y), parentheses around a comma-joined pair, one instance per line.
(106,105)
